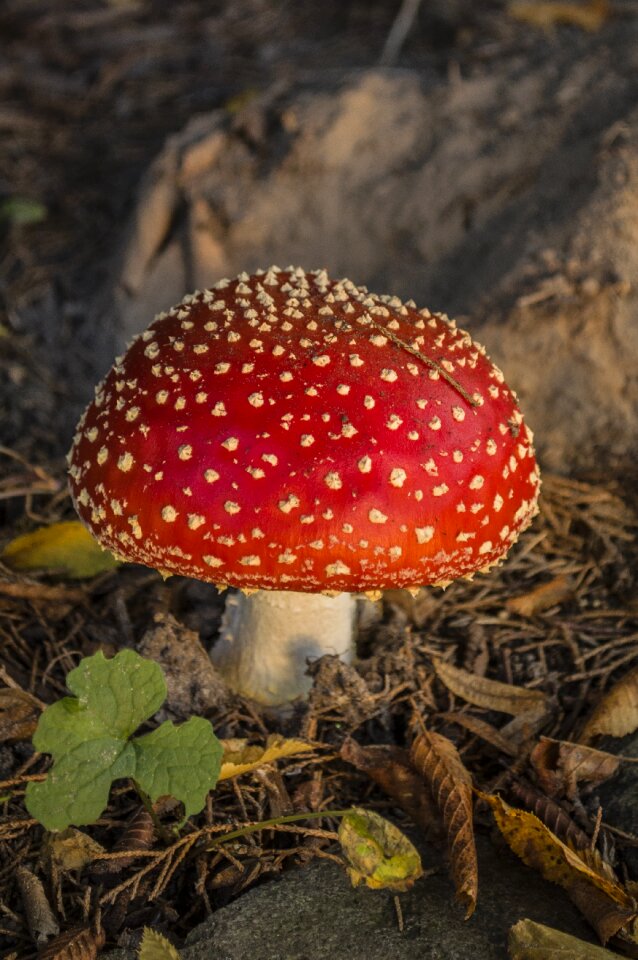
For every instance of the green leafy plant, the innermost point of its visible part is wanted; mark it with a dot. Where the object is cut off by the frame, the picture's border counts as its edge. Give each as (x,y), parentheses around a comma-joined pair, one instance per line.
(90,739)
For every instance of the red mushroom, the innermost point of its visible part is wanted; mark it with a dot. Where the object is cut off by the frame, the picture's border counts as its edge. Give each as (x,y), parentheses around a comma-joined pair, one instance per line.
(306,439)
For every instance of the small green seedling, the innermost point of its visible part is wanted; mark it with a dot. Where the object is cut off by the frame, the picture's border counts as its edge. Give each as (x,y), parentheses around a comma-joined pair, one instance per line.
(90,739)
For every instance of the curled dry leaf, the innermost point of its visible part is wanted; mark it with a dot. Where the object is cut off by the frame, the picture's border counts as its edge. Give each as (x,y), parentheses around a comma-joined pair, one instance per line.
(240,757)
(491,694)
(560,765)
(390,768)
(541,598)
(617,713)
(83,943)
(534,941)
(437,760)
(40,918)
(378,854)
(71,849)
(603,902)
(19,714)
(155,946)
(138,835)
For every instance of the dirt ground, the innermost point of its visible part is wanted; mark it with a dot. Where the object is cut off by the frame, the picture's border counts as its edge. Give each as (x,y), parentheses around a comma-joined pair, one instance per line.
(89,94)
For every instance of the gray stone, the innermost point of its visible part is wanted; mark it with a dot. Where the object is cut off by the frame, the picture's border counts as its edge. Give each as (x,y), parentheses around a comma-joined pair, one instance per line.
(619,796)
(315,914)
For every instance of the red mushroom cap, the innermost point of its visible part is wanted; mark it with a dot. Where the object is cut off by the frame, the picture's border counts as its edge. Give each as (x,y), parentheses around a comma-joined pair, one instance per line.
(285,431)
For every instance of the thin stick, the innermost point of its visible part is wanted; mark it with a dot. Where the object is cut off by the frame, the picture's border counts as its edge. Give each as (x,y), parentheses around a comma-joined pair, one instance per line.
(399,31)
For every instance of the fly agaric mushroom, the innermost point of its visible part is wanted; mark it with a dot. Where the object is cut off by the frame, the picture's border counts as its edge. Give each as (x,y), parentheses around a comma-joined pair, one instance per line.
(302,439)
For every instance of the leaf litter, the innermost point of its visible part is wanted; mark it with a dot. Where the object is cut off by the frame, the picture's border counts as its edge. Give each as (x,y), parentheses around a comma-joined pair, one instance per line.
(463,665)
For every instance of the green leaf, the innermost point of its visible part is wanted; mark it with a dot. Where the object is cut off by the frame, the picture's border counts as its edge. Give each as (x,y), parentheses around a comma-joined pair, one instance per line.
(22,211)
(378,853)
(88,738)
(66,547)
(181,762)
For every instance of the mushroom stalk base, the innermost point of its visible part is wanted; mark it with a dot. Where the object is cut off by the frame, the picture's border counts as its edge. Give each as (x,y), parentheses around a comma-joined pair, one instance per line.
(268,637)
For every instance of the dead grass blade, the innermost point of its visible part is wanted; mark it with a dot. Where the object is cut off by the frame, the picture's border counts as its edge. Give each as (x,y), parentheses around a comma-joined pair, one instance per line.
(437,760)
(617,713)
(604,903)
(490,694)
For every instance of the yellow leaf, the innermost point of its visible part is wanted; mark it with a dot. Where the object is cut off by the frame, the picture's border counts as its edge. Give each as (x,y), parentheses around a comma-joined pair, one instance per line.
(154,946)
(67,548)
(604,903)
(378,853)
(534,941)
(588,16)
(239,757)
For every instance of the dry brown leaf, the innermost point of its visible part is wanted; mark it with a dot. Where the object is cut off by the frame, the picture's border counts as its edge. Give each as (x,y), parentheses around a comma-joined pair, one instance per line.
(491,694)
(542,597)
(19,714)
(560,765)
(40,919)
(617,713)
(545,15)
(389,767)
(534,941)
(484,730)
(603,902)
(72,849)
(240,757)
(437,760)
(79,944)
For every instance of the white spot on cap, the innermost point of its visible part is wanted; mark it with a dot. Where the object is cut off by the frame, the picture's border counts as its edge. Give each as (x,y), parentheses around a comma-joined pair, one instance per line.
(125,462)
(393,422)
(424,534)
(185,452)
(231,507)
(457,456)
(102,455)
(219,410)
(270,458)
(307,440)
(389,375)
(368,402)
(355,360)
(498,502)
(222,367)
(195,520)
(485,547)
(365,464)
(286,557)
(250,561)
(169,514)
(290,503)
(256,472)
(337,569)
(398,476)
(343,389)
(161,396)
(375,516)
(321,361)
(231,443)
(333,480)
(211,476)
(212,561)
(477,482)
(435,423)
(440,490)
(458,413)
(256,399)
(431,468)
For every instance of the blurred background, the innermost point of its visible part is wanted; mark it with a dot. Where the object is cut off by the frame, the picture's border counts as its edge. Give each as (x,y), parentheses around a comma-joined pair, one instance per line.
(479,158)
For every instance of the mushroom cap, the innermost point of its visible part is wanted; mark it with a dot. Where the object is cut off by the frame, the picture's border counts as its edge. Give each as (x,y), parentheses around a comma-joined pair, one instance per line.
(286,431)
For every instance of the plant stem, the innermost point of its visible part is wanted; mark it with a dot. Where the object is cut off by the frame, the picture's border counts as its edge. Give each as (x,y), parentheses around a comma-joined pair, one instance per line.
(160,829)
(266,824)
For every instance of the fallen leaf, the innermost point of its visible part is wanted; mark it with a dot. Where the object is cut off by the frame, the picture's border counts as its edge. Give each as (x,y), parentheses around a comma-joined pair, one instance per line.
(534,941)
(542,597)
(67,548)
(19,714)
(617,713)
(603,902)
(490,694)
(389,767)
(484,730)
(378,853)
(82,943)
(22,211)
(154,946)
(40,918)
(72,849)
(240,757)
(437,760)
(545,15)
(560,765)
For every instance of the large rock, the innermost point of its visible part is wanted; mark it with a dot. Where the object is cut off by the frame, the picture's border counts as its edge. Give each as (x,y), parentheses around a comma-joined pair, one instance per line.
(508,198)
(314,914)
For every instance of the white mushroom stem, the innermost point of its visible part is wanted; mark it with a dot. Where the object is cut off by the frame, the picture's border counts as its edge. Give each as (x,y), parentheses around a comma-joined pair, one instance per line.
(268,638)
